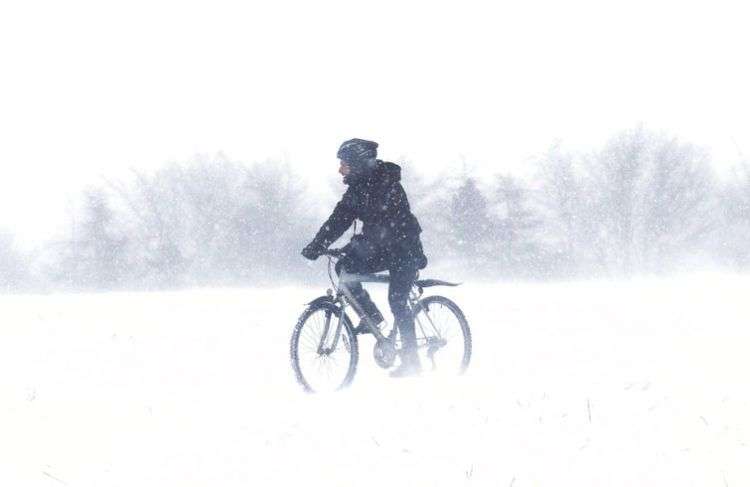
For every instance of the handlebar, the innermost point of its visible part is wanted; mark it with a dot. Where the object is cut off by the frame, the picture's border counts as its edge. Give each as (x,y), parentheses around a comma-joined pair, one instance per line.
(338,253)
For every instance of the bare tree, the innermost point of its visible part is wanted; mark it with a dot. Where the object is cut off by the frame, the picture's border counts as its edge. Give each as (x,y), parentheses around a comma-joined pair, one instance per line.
(14,268)
(95,255)
(566,225)
(678,207)
(731,239)
(182,217)
(470,226)
(616,176)
(650,198)
(514,227)
(275,221)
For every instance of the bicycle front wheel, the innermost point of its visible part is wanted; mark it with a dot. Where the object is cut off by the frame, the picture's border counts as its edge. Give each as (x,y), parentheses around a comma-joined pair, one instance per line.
(443,336)
(324,356)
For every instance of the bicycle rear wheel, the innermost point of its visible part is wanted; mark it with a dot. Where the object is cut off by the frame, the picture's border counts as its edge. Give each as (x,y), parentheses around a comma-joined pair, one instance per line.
(443,336)
(321,360)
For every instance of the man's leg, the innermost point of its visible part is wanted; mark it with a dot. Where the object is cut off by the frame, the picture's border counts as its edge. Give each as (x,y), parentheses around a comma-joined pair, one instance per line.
(401,283)
(368,310)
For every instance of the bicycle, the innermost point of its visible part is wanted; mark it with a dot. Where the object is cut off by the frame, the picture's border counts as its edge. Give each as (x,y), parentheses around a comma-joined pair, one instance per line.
(324,348)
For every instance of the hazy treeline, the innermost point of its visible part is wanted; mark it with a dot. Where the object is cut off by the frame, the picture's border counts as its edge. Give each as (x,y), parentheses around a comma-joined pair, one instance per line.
(643,203)
(207,221)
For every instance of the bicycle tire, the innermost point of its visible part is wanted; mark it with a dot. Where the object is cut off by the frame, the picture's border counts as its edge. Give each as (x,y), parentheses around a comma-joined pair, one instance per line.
(347,342)
(424,304)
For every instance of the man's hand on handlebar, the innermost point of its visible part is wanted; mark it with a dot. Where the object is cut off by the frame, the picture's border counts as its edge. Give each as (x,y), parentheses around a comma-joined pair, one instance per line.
(313,251)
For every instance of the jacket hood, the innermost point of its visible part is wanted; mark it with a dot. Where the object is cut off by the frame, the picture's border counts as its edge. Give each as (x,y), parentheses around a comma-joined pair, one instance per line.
(384,173)
(388,172)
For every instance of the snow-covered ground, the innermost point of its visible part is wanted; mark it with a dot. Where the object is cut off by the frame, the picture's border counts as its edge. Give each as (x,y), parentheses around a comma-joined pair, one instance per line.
(639,383)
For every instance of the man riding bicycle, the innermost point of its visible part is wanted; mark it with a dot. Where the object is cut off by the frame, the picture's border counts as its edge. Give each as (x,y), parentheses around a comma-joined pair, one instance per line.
(389,240)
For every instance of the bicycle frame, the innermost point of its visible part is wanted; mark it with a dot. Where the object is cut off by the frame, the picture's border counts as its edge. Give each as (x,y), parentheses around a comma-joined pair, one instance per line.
(345,298)
(343,290)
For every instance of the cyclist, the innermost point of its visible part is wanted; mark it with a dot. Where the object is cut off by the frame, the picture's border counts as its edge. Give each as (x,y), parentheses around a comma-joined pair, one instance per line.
(389,240)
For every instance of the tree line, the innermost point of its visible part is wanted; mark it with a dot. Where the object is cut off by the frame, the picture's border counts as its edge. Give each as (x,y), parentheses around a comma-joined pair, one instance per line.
(644,202)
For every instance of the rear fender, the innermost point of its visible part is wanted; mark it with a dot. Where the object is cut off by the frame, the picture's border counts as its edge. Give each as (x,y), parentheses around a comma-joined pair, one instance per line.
(435,282)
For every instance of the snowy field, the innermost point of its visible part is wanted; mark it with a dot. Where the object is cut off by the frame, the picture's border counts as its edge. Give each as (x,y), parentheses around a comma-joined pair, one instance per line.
(639,383)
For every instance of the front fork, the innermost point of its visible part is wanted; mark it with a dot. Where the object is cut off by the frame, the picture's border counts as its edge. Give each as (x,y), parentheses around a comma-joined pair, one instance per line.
(343,298)
(322,349)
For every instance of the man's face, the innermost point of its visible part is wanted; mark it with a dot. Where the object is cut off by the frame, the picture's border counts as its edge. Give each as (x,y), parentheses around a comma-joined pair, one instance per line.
(344,168)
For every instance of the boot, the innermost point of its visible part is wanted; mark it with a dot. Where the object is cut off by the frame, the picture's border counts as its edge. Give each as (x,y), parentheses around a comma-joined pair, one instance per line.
(363,328)
(371,313)
(409,366)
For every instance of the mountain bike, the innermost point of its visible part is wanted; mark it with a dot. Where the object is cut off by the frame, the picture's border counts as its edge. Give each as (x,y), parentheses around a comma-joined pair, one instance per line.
(324,348)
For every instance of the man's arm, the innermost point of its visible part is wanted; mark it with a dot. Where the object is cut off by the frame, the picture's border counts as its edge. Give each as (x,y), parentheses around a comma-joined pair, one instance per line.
(342,217)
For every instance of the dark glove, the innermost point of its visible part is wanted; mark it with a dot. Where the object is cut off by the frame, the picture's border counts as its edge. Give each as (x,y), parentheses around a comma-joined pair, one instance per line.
(313,251)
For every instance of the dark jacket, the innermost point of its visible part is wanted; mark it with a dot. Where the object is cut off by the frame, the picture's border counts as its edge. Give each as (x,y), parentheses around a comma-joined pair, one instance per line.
(389,226)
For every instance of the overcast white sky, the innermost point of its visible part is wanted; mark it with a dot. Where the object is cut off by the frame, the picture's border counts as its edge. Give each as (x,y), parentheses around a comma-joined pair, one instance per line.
(91,88)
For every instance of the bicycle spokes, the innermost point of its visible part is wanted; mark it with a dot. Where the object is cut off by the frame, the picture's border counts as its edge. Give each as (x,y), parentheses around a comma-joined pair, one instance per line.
(322,349)
(434,331)
(323,352)
(443,338)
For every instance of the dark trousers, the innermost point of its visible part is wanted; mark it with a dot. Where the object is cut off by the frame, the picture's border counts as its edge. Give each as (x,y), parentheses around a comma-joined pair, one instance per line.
(362,260)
